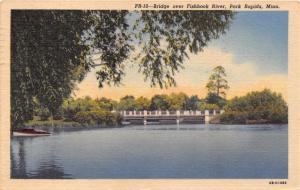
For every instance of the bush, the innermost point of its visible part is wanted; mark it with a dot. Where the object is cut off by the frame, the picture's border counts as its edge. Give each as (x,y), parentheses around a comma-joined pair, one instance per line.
(58,115)
(207,106)
(233,117)
(43,113)
(98,117)
(263,106)
(83,117)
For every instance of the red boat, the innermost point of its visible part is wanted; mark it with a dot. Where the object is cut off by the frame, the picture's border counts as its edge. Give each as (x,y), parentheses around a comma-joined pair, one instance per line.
(30,132)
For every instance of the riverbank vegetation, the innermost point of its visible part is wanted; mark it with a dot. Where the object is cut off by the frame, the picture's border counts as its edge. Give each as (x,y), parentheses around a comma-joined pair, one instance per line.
(78,112)
(65,45)
(256,107)
(51,54)
(173,101)
(105,112)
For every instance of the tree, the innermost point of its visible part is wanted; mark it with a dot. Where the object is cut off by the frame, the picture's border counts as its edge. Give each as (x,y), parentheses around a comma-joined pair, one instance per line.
(217,83)
(192,103)
(178,101)
(217,86)
(43,113)
(160,102)
(260,106)
(142,103)
(106,103)
(127,103)
(208,106)
(213,98)
(71,107)
(54,49)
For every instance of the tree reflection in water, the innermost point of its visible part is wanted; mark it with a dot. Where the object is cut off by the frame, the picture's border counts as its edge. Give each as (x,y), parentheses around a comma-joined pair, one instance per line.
(18,163)
(47,169)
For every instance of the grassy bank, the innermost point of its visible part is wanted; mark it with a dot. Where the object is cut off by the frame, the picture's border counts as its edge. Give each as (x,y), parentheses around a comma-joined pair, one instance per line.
(54,123)
(62,123)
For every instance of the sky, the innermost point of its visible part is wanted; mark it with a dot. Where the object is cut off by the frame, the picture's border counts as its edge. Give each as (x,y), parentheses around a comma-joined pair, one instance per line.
(254,53)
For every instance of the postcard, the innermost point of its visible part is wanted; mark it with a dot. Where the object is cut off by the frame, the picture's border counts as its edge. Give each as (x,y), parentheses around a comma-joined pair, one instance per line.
(149,95)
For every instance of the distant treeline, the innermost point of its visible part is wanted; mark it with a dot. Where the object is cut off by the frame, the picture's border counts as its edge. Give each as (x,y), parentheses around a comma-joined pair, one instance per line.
(83,110)
(104,111)
(264,106)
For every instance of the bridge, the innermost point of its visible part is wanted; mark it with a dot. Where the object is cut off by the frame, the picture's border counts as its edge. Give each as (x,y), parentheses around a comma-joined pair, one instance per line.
(169,117)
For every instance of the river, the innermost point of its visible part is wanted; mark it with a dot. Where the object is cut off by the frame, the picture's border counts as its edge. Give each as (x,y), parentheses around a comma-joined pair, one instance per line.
(154,152)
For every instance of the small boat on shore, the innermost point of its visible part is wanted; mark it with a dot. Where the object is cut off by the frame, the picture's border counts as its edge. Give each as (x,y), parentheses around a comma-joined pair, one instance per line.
(30,132)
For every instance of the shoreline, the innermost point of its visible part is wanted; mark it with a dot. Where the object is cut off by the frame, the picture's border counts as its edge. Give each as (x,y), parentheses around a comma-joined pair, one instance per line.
(64,124)
(76,125)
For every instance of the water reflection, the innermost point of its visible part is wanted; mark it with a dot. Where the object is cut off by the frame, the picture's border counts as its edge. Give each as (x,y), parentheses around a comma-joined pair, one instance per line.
(210,127)
(154,151)
(46,169)
(18,164)
(49,170)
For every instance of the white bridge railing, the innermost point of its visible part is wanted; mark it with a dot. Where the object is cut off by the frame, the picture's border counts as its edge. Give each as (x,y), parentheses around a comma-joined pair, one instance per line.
(170,113)
(145,114)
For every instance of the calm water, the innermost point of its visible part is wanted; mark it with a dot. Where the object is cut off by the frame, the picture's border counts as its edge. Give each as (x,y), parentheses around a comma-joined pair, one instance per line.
(170,151)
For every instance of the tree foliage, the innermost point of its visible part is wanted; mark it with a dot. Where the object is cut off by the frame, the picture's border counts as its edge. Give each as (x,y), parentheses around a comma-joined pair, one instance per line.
(107,104)
(193,103)
(217,83)
(213,98)
(71,107)
(178,101)
(89,111)
(160,102)
(142,103)
(263,106)
(208,106)
(53,49)
(127,103)
(43,113)
(99,117)
(179,32)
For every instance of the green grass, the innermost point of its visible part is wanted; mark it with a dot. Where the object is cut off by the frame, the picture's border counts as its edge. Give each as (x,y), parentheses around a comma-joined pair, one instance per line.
(50,122)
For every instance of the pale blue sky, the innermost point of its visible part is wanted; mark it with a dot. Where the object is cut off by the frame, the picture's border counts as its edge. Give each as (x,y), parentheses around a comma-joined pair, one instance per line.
(260,37)
(254,53)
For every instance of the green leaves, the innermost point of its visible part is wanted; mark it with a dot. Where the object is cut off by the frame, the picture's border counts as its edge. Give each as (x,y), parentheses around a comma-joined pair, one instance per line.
(127,103)
(52,50)
(217,83)
(46,51)
(142,103)
(260,106)
(160,102)
(167,36)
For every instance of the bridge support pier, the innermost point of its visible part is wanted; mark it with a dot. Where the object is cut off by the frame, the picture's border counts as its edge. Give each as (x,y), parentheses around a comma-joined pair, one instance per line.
(206,116)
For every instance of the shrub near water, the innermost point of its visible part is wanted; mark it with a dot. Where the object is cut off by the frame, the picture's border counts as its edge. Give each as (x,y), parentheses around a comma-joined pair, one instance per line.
(98,117)
(256,107)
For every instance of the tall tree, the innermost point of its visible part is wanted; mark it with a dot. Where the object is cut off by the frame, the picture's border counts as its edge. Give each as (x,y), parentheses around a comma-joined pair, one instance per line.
(217,84)
(53,49)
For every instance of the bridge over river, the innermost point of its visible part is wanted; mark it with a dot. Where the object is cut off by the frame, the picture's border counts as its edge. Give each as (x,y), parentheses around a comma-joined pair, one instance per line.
(169,117)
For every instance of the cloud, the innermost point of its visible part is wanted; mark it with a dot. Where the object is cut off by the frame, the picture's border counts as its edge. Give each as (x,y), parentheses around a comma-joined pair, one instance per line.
(242,78)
